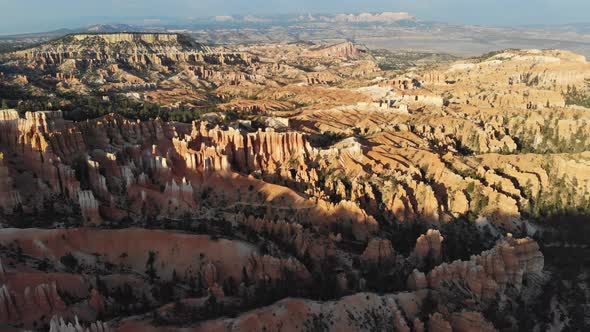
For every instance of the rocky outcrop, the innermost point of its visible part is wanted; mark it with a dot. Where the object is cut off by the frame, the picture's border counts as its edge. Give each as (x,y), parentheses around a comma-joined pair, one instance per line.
(58,324)
(9,197)
(343,50)
(231,78)
(428,248)
(485,275)
(411,200)
(260,107)
(8,308)
(437,323)
(97,302)
(87,50)
(180,195)
(525,79)
(146,156)
(42,140)
(89,207)
(221,259)
(350,216)
(202,158)
(321,78)
(351,313)
(34,303)
(467,321)
(267,268)
(379,252)
(288,232)
(417,280)
(261,151)
(115,38)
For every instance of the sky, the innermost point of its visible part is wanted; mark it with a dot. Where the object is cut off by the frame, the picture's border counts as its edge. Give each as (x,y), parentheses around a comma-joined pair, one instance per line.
(17,16)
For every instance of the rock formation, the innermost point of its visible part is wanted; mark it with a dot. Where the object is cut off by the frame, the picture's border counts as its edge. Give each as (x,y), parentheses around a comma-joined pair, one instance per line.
(350,314)
(486,274)
(429,247)
(59,325)
(379,251)
(34,303)
(9,198)
(344,50)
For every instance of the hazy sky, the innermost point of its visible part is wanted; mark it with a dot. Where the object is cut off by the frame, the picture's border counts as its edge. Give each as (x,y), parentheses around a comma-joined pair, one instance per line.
(42,15)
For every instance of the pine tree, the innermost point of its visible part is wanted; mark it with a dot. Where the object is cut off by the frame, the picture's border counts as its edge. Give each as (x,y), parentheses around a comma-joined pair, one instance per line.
(174,276)
(149,265)
(245,278)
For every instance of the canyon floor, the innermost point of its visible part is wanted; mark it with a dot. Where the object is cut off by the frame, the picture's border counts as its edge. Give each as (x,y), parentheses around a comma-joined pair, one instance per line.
(149,182)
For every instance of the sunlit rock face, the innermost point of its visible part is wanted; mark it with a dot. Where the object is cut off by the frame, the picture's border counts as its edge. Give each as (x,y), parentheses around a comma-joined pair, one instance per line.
(491,271)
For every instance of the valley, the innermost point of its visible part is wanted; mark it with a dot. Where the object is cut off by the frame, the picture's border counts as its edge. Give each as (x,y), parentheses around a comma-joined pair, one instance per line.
(151,182)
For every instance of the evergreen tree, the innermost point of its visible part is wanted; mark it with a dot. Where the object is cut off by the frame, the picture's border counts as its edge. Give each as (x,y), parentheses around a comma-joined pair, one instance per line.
(149,265)
(245,278)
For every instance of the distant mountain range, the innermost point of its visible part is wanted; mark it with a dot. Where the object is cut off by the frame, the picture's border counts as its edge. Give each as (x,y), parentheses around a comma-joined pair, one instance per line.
(387,30)
(385,17)
(217,21)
